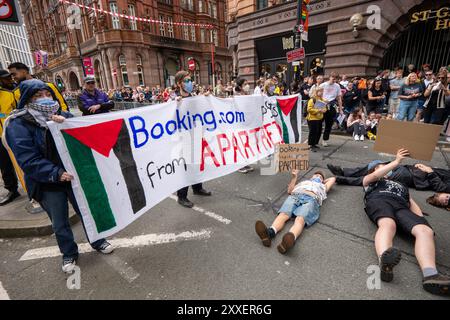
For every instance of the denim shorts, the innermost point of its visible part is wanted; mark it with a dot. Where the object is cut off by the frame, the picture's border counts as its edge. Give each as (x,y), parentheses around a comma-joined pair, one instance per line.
(301,205)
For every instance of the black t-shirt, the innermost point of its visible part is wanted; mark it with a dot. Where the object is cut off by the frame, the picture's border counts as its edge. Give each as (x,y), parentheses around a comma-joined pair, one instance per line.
(375,93)
(303,87)
(387,189)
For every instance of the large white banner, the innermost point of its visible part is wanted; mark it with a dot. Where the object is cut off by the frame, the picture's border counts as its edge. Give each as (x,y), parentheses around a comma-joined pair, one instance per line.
(124,163)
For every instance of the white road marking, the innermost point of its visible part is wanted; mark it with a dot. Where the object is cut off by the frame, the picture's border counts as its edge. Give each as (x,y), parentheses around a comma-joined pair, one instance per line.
(3,294)
(206,212)
(134,242)
(127,272)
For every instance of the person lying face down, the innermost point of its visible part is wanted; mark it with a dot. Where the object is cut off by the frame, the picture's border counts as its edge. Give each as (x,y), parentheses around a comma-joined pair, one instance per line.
(303,205)
(389,205)
(418,176)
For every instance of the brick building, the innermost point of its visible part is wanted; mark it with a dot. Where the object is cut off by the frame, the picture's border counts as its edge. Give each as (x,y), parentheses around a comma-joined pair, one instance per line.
(260,32)
(127,52)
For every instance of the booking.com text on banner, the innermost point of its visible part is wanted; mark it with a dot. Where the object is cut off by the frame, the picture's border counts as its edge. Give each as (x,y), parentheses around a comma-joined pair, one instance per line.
(124,163)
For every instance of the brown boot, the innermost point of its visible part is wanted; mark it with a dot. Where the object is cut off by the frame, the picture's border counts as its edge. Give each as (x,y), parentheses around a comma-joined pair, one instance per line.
(287,242)
(261,231)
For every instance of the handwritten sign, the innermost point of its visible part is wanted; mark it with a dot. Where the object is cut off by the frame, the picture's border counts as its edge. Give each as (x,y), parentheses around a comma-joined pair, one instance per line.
(292,156)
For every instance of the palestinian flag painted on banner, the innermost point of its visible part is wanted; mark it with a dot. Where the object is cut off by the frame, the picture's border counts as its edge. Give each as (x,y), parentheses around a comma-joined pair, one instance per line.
(90,144)
(290,111)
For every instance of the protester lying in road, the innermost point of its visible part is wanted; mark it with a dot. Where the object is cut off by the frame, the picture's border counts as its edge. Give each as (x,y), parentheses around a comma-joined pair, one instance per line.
(303,203)
(46,179)
(419,176)
(389,205)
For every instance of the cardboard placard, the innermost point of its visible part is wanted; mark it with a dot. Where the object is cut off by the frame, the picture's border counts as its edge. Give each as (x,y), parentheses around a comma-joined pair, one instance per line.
(419,139)
(292,156)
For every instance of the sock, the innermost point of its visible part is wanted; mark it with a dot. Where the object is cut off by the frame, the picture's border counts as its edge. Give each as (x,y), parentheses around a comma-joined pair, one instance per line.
(272,232)
(427,272)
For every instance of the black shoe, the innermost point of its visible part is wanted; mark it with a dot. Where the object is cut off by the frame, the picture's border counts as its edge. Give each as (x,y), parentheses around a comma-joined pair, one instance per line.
(336,170)
(185,203)
(202,192)
(437,284)
(389,259)
(9,197)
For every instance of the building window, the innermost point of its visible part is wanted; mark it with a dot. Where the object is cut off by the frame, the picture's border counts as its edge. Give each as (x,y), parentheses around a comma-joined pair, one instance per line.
(122,60)
(124,72)
(214,10)
(186,32)
(196,73)
(138,60)
(115,20)
(200,6)
(261,4)
(170,27)
(132,12)
(193,35)
(215,38)
(162,26)
(202,36)
(140,76)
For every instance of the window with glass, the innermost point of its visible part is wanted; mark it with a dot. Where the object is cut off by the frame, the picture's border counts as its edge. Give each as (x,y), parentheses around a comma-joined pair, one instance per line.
(215,38)
(261,4)
(115,19)
(200,5)
(122,60)
(140,76)
(193,35)
(186,32)
(132,12)
(202,36)
(170,27)
(214,10)
(124,72)
(162,26)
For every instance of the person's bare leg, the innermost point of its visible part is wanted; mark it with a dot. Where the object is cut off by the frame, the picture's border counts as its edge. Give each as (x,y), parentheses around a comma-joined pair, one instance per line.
(297,228)
(385,235)
(280,221)
(424,248)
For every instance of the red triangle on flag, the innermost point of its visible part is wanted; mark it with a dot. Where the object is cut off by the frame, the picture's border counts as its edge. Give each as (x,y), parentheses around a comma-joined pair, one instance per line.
(286,105)
(101,137)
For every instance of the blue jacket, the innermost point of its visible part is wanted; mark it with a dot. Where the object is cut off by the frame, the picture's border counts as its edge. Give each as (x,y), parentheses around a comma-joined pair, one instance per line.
(86,100)
(35,152)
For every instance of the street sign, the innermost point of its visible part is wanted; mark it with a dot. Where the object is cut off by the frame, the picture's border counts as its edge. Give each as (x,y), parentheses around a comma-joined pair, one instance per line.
(10,12)
(191,64)
(295,63)
(295,55)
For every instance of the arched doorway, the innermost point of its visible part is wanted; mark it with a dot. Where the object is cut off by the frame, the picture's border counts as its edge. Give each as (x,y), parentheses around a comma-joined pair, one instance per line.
(74,83)
(170,69)
(420,43)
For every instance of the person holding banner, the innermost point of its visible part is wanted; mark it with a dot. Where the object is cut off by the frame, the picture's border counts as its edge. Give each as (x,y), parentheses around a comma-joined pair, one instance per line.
(47,181)
(7,104)
(303,204)
(184,89)
(389,205)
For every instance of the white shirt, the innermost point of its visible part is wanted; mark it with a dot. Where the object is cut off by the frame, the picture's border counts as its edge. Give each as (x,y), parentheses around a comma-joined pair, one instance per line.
(344,83)
(330,91)
(317,188)
(257,90)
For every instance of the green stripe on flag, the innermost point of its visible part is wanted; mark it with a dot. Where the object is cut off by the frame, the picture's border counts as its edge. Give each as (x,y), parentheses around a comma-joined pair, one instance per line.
(91,182)
(285,128)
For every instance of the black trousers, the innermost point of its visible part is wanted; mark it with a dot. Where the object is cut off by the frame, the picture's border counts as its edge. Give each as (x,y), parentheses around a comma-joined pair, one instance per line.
(433,115)
(315,130)
(182,193)
(328,118)
(7,170)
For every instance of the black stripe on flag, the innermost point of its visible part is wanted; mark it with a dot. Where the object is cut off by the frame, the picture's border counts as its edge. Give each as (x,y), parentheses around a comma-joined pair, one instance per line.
(294,122)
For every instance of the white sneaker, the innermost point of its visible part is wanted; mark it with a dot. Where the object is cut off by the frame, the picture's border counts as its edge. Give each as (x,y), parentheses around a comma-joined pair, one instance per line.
(361,138)
(356,137)
(68,265)
(324,143)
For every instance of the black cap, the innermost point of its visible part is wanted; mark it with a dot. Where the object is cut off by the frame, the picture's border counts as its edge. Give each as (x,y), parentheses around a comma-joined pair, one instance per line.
(4,73)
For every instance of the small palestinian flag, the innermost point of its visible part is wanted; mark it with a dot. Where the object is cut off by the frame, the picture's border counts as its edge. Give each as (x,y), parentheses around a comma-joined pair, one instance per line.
(92,144)
(290,111)
(305,19)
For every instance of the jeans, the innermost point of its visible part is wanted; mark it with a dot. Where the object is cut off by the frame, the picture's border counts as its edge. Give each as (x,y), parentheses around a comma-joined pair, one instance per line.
(57,207)
(407,110)
(357,129)
(301,205)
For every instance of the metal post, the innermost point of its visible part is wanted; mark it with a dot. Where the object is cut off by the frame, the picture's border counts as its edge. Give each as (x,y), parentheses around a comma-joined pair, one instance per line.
(212,63)
(298,36)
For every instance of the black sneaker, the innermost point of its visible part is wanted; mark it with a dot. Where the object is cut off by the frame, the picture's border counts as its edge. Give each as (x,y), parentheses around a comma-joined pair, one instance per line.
(437,284)
(68,265)
(336,170)
(185,203)
(105,248)
(389,259)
